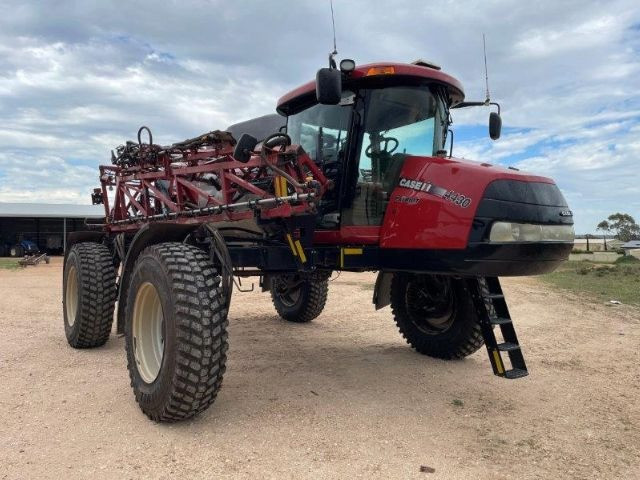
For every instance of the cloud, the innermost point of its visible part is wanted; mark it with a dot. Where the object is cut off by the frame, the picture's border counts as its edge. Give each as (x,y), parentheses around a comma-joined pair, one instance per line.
(78,78)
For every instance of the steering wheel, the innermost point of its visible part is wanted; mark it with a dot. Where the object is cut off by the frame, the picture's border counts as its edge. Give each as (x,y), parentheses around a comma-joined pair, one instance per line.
(384,143)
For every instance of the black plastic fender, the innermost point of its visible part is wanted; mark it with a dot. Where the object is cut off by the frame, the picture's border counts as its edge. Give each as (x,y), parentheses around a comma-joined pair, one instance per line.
(382,290)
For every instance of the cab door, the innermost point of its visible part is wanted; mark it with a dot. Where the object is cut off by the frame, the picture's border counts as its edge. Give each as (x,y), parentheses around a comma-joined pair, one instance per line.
(398,121)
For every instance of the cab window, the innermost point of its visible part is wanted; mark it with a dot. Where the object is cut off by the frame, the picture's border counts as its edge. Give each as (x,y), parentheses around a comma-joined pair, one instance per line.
(322,131)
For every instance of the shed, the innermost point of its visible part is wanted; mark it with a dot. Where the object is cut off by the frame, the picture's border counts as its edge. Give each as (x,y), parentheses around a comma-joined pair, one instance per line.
(45,224)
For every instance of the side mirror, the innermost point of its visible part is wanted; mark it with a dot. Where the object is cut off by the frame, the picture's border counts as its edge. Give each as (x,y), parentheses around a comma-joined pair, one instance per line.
(244,147)
(495,125)
(329,86)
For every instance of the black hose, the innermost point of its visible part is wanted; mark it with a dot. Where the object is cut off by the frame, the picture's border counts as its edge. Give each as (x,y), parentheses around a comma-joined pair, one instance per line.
(219,249)
(140,135)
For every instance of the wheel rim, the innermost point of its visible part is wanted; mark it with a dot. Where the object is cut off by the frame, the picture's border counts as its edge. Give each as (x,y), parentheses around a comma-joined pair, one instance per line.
(148,332)
(431,303)
(288,288)
(71,295)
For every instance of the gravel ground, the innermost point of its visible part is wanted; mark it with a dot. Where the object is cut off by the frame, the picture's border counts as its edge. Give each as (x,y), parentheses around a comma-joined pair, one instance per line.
(342,397)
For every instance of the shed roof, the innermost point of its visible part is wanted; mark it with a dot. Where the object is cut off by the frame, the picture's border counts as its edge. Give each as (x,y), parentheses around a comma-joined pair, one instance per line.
(50,210)
(631,244)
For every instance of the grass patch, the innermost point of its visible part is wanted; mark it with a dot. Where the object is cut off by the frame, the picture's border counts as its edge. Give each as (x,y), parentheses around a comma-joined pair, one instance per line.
(456,402)
(9,263)
(603,282)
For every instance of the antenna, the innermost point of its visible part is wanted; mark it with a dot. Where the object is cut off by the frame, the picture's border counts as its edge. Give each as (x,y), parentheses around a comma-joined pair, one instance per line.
(486,72)
(332,62)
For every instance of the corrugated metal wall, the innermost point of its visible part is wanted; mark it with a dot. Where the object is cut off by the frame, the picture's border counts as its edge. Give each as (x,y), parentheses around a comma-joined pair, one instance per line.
(47,233)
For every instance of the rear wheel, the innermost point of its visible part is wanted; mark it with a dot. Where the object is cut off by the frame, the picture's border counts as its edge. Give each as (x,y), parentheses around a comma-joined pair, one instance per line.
(17,251)
(436,315)
(176,331)
(89,295)
(299,298)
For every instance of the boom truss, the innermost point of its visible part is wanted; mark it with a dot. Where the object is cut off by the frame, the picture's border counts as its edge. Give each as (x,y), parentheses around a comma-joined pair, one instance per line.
(200,181)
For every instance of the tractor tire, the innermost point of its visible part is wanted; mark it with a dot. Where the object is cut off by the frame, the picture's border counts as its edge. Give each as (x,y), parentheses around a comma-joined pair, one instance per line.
(176,331)
(298,299)
(17,251)
(89,295)
(436,315)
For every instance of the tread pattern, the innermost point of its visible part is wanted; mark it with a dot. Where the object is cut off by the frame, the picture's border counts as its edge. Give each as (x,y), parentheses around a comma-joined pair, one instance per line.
(311,303)
(464,338)
(201,334)
(96,296)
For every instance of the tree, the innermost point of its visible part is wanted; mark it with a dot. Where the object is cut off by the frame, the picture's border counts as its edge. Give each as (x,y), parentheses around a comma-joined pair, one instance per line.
(624,226)
(604,227)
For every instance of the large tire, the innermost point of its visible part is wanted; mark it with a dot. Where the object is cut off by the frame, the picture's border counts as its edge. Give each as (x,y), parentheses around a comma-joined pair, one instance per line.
(436,315)
(299,299)
(17,251)
(89,295)
(176,331)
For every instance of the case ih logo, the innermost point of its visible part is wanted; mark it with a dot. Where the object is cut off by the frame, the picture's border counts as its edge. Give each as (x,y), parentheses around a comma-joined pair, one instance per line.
(428,187)
(417,185)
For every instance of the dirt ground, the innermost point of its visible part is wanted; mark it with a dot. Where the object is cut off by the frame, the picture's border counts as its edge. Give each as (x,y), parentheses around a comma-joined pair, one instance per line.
(341,397)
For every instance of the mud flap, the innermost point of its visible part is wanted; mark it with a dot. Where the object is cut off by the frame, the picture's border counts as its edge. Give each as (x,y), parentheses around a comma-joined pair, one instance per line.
(382,290)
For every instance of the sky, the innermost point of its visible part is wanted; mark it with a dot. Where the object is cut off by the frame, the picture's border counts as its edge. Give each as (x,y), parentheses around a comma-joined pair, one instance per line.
(79,78)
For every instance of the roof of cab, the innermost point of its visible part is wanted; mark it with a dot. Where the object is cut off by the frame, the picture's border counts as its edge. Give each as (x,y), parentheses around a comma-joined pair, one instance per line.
(399,69)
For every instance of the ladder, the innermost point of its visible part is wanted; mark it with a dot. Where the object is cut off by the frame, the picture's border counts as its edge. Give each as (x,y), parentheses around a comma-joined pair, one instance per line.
(492,311)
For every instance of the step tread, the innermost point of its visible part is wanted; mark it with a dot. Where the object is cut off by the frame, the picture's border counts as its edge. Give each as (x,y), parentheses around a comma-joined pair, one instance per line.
(493,296)
(508,346)
(499,320)
(516,373)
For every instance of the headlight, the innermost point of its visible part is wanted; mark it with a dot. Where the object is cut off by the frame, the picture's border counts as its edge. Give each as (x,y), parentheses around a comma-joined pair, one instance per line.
(528,232)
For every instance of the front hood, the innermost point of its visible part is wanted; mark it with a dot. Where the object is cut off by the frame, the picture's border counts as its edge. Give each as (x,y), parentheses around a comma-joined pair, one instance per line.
(437,199)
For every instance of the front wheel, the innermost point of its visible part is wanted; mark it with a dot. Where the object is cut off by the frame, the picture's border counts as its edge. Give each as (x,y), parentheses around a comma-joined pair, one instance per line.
(436,315)
(299,298)
(176,331)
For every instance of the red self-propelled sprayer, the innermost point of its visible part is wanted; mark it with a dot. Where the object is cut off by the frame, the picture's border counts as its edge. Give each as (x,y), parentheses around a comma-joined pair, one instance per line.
(355,172)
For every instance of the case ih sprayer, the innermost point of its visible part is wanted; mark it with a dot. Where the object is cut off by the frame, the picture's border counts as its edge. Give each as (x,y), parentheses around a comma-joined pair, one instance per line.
(353,174)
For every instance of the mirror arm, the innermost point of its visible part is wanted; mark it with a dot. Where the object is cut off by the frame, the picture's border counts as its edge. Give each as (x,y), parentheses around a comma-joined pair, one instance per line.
(332,60)
(476,104)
